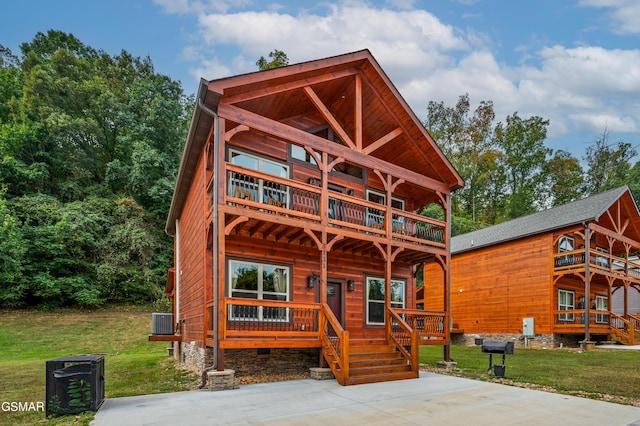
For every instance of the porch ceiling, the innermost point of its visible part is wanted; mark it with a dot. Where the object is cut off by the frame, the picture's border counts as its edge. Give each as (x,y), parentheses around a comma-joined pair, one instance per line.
(352,243)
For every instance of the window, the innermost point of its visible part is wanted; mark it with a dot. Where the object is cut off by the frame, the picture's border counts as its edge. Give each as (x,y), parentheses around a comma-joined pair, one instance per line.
(375,217)
(326,132)
(258,281)
(565,243)
(566,302)
(602,304)
(254,189)
(375,298)
(602,261)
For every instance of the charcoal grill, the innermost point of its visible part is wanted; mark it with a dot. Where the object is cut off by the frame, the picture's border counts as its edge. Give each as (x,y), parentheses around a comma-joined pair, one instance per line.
(498,348)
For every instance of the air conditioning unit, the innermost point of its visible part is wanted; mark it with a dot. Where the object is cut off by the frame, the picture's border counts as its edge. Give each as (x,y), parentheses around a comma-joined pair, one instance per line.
(161,323)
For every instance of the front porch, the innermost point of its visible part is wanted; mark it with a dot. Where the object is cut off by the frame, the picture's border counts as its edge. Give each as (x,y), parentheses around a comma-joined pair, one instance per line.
(392,355)
(623,329)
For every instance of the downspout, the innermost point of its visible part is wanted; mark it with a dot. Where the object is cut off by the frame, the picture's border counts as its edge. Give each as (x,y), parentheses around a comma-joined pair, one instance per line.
(216,161)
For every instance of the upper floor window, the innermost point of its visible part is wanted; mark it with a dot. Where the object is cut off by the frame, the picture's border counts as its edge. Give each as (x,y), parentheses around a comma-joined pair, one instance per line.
(375,217)
(565,243)
(326,132)
(255,189)
(253,280)
(375,298)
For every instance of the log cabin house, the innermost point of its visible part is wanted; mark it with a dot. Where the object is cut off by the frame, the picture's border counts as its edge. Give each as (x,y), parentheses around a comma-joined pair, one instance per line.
(554,272)
(296,225)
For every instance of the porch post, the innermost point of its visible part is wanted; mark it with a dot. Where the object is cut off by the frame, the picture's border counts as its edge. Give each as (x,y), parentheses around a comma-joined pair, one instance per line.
(219,278)
(324,218)
(447,279)
(587,283)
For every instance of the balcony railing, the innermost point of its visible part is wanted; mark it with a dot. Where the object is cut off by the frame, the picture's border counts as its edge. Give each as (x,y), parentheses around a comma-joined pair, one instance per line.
(598,261)
(268,193)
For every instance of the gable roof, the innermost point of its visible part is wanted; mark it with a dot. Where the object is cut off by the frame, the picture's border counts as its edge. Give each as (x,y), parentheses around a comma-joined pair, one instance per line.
(314,89)
(588,209)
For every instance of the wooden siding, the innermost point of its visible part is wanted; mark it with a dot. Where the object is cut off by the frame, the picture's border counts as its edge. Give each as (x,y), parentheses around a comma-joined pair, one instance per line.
(494,288)
(192,259)
(306,260)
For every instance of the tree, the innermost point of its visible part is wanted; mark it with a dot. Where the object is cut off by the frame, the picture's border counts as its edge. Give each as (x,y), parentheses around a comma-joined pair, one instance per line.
(565,178)
(469,144)
(89,151)
(278,59)
(607,167)
(522,142)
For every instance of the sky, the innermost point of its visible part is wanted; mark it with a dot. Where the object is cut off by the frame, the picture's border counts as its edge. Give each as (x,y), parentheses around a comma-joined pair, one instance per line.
(575,63)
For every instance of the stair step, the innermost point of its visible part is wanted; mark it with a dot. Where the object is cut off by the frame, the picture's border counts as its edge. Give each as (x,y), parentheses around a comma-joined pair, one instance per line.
(375,362)
(378,369)
(375,378)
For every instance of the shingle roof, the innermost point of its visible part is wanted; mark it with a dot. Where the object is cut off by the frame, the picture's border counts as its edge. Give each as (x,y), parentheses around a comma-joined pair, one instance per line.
(585,210)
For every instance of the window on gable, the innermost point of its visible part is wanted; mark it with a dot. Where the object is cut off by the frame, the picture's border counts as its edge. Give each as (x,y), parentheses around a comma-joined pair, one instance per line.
(326,132)
(375,298)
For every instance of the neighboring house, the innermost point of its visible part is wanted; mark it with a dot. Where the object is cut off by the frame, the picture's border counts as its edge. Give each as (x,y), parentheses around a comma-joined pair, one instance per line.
(532,271)
(296,224)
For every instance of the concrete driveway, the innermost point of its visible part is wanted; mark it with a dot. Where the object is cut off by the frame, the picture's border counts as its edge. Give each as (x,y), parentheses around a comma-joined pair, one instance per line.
(431,399)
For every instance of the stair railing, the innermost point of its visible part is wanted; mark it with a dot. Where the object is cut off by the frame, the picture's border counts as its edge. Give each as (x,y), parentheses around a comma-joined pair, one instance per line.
(335,344)
(635,320)
(404,338)
(622,329)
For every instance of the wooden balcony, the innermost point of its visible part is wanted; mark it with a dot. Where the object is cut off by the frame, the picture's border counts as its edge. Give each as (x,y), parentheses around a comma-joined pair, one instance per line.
(599,262)
(282,209)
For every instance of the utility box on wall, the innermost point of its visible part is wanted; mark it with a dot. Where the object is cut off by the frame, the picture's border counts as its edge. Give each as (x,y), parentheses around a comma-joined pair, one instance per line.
(527,327)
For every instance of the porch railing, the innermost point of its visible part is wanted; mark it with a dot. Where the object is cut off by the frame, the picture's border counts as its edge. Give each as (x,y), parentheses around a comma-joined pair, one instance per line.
(271,318)
(335,344)
(578,318)
(273,194)
(428,324)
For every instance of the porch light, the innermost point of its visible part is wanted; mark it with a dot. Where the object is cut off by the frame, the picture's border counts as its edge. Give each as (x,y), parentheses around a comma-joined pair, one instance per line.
(311,280)
(351,285)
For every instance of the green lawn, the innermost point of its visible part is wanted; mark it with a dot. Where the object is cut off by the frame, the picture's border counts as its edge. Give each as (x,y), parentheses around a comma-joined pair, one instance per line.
(600,374)
(133,366)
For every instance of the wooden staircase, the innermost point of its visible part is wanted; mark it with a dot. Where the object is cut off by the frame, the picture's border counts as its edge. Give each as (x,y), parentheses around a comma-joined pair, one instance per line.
(371,362)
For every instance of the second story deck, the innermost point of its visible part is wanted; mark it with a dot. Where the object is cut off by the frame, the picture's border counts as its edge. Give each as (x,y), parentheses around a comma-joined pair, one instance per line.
(274,208)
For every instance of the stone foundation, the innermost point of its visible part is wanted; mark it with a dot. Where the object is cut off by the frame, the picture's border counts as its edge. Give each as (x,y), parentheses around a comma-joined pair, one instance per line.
(192,356)
(272,361)
(221,380)
(318,373)
(540,341)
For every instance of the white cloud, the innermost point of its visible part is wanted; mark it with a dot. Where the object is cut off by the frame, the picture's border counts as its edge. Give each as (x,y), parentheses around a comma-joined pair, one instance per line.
(581,90)
(624,14)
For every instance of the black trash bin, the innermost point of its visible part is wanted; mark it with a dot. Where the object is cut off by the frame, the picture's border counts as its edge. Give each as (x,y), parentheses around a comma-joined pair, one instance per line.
(75,384)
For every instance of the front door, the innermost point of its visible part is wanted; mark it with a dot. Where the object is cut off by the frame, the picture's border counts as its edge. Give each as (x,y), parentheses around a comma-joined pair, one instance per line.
(334,298)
